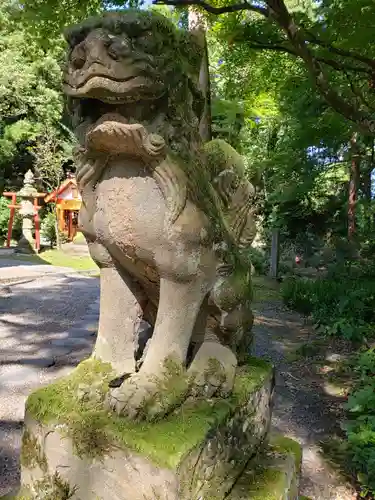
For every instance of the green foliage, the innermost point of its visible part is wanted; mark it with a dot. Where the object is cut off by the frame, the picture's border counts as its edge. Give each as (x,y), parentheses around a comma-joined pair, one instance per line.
(259,260)
(48,228)
(343,304)
(31,101)
(4,216)
(360,428)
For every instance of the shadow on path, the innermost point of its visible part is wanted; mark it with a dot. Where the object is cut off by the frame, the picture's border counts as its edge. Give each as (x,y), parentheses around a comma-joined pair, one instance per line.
(44,332)
(303,409)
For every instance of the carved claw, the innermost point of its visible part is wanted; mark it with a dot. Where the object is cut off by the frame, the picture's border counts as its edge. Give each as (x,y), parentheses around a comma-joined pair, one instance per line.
(212,371)
(148,397)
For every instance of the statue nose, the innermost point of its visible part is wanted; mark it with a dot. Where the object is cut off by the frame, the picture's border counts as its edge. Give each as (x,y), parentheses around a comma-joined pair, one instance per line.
(99,50)
(96,52)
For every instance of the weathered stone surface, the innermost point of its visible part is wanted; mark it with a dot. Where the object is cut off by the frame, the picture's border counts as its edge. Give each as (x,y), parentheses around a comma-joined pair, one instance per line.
(197,452)
(274,475)
(212,468)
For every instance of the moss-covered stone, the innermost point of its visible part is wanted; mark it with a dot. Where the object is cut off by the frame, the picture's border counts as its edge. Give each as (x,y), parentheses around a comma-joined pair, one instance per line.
(32,454)
(50,487)
(221,156)
(272,476)
(282,444)
(171,391)
(76,402)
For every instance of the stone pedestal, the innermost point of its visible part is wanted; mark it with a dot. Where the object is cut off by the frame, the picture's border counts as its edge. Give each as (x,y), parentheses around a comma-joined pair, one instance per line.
(73,448)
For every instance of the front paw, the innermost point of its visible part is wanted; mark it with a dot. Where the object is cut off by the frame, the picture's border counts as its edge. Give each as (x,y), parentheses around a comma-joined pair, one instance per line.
(149,397)
(212,371)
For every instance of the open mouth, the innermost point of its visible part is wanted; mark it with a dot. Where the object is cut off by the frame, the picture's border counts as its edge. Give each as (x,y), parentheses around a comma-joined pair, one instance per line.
(104,77)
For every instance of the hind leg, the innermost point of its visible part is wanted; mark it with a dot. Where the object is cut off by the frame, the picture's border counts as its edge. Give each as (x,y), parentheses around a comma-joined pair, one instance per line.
(213,367)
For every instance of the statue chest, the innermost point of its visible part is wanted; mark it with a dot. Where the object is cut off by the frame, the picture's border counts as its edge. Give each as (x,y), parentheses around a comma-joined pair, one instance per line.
(130,208)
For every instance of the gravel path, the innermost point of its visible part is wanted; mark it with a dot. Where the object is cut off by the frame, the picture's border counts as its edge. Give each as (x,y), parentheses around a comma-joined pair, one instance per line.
(302,409)
(47,326)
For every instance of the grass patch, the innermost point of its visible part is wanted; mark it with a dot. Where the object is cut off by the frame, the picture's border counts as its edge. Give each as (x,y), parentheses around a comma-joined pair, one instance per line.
(335,451)
(76,402)
(56,258)
(59,258)
(79,238)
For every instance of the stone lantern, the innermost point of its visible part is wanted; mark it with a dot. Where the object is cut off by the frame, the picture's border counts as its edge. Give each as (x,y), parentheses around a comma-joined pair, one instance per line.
(27,194)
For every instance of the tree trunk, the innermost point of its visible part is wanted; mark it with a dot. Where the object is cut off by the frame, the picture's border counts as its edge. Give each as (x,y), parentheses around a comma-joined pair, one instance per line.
(366,175)
(196,25)
(58,239)
(353,186)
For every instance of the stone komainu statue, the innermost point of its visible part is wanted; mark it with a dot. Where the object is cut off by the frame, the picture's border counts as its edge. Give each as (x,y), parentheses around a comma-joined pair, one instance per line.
(165,216)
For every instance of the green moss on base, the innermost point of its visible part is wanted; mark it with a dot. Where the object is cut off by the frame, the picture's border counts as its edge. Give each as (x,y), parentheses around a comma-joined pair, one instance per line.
(172,388)
(267,485)
(221,156)
(250,377)
(49,488)
(282,444)
(77,402)
(31,454)
(272,475)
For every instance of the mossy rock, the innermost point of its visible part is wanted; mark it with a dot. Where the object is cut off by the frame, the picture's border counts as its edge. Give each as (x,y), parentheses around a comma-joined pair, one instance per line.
(49,487)
(272,476)
(94,430)
(198,449)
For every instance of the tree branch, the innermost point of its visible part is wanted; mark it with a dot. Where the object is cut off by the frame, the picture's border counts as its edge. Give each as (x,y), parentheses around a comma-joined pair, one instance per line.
(277,11)
(278,47)
(357,92)
(340,52)
(296,36)
(215,10)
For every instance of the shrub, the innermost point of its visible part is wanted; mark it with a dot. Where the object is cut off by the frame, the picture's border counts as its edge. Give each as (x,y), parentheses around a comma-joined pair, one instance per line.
(259,260)
(48,228)
(4,220)
(360,428)
(342,304)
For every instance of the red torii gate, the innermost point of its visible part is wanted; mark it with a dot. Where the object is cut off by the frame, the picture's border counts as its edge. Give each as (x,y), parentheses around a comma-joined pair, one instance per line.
(13,206)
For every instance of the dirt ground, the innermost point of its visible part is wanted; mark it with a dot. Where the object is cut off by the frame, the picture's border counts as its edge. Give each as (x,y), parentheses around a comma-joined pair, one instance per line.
(306,407)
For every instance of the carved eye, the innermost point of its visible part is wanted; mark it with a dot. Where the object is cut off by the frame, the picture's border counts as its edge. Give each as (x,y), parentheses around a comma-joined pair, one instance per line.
(78,57)
(119,48)
(146,40)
